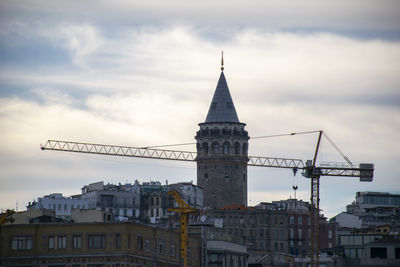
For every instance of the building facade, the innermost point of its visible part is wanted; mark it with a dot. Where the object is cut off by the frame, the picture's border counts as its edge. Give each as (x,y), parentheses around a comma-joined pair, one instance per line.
(123,201)
(222,145)
(61,205)
(368,200)
(258,230)
(93,245)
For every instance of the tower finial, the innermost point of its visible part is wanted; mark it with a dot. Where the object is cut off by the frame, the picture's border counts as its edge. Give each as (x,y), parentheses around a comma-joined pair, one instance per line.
(222,61)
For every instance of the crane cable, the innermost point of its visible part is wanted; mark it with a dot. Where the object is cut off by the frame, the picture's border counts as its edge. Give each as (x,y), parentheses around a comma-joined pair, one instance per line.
(269,136)
(256,137)
(337,148)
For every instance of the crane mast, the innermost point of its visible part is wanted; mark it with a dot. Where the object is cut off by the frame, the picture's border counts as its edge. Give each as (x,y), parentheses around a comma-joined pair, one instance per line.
(364,171)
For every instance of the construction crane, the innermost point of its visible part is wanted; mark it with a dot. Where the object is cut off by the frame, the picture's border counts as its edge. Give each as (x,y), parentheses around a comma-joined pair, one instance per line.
(184,210)
(364,171)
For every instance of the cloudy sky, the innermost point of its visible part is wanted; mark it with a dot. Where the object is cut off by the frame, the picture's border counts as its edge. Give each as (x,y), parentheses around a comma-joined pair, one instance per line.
(143,73)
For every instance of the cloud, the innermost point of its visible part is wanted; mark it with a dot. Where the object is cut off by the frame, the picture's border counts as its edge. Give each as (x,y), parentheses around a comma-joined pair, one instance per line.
(129,83)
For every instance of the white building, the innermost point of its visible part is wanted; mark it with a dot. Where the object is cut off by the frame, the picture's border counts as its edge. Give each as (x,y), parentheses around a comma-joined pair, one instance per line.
(347,220)
(61,205)
(368,200)
(123,201)
(190,193)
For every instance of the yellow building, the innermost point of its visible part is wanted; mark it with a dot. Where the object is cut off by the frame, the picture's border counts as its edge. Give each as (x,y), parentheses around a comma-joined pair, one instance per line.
(93,245)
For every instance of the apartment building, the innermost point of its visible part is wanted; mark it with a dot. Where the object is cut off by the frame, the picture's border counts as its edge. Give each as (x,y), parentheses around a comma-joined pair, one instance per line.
(93,245)
(61,205)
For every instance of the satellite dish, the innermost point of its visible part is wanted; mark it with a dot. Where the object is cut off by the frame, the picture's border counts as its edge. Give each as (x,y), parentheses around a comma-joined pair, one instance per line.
(203,218)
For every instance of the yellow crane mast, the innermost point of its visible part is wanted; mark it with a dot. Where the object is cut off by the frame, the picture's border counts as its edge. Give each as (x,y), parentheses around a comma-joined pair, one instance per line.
(6,216)
(183,210)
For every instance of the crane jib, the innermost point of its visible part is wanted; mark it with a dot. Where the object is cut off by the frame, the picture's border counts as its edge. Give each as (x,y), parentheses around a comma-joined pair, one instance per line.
(364,171)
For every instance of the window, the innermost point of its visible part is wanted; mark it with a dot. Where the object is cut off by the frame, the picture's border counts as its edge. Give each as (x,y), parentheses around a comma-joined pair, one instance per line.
(378,252)
(291,220)
(50,242)
(309,220)
(244,152)
(139,243)
(281,244)
(118,241)
(97,241)
(300,220)
(300,233)
(147,245)
(173,250)
(330,234)
(161,248)
(215,148)
(282,234)
(261,233)
(276,234)
(236,148)
(226,148)
(21,243)
(397,253)
(62,242)
(77,241)
(291,233)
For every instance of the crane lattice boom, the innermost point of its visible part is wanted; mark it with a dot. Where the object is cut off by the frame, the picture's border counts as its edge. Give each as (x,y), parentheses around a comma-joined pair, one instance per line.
(364,171)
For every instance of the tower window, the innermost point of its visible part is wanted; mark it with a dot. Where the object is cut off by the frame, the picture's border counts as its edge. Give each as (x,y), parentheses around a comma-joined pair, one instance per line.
(226,148)
(215,148)
(205,147)
(236,148)
(206,177)
(244,152)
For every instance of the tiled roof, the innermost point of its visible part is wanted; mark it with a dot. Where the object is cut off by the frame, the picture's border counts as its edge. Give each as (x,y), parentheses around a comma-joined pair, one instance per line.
(222,108)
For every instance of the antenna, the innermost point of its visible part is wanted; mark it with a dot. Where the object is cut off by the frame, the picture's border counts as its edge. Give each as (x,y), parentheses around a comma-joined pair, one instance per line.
(222,61)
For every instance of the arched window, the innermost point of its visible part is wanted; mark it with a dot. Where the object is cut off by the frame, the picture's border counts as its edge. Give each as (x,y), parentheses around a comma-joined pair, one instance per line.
(236,148)
(244,152)
(215,148)
(226,147)
(205,147)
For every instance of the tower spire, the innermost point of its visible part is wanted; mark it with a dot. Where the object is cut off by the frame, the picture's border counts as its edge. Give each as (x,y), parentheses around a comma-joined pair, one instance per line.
(222,61)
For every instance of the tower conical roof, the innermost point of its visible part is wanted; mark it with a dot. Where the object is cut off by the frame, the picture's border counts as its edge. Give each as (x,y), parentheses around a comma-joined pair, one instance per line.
(222,108)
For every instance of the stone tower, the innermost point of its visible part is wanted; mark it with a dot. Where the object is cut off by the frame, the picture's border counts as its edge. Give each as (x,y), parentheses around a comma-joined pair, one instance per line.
(222,145)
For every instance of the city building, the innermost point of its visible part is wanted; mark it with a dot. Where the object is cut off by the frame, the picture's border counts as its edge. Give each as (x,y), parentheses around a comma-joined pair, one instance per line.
(155,202)
(93,245)
(384,252)
(258,230)
(190,193)
(61,205)
(123,201)
(222,145)
(368,200)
